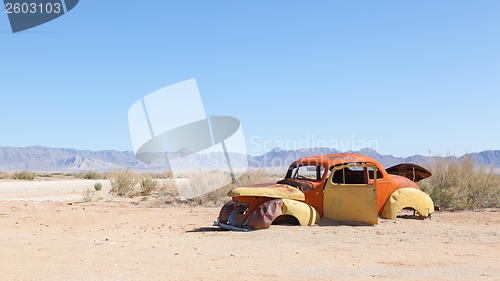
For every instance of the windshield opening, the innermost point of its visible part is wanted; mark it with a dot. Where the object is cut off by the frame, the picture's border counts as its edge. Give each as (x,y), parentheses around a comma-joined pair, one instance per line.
(308,172)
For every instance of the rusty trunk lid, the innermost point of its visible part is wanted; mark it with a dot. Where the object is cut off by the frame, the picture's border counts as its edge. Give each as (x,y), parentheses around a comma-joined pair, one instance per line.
(411,171)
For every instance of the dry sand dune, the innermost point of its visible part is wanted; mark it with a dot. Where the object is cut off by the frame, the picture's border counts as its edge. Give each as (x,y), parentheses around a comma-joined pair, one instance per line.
(122,241)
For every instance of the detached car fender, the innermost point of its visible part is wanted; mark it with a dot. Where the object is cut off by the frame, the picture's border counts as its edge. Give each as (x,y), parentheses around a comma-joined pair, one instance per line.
(226,212)
(408,197)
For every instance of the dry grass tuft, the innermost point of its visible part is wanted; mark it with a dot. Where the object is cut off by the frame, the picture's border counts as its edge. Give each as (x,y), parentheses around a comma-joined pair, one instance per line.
(163,186)
(148,185)
(88,195)
(167,174)
(24,175)
(123,182)
(4,175)
(456,184)
(169,194)
(91,175)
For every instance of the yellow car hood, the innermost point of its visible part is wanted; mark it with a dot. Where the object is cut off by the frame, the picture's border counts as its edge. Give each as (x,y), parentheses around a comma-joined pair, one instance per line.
(273,190)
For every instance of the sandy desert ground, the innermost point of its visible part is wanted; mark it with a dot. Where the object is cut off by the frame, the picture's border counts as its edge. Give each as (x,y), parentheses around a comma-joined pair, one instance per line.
(112,240)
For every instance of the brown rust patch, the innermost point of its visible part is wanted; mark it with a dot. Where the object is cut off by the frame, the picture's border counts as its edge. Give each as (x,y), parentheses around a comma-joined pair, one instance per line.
(226,211)
(265,214)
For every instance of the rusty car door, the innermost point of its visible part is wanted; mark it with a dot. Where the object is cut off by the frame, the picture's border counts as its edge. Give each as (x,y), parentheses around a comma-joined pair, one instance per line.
(349,194)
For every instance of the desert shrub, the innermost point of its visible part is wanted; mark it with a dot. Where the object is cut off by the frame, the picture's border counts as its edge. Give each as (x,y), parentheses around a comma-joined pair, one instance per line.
(456,184)
(167,194)
(97,186)
(148,185)
(123,182)
(203,178)
(4,175)
(167,174)
(24,175)
(88,195)
(91,175)
(255,176)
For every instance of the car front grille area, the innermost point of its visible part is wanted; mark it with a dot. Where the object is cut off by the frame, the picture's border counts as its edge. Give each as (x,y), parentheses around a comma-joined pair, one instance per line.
(240,211)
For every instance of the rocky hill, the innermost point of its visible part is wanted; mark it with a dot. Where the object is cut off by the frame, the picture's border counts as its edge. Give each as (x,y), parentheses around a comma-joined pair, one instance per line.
(39,158)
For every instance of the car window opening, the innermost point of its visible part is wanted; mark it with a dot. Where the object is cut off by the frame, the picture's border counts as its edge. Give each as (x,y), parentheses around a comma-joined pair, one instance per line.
(353,175)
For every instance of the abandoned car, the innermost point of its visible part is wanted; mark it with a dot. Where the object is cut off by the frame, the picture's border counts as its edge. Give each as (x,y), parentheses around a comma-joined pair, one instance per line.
(338,187)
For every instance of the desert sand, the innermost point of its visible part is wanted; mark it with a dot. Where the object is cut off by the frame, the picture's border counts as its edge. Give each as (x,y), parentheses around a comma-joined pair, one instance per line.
(113,239)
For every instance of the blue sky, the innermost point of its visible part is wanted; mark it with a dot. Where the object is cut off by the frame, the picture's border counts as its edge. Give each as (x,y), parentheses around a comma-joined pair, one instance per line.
(410,76)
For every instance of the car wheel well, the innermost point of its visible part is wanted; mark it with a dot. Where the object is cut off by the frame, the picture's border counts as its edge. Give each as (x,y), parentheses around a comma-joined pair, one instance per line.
(286,219)
(407,197)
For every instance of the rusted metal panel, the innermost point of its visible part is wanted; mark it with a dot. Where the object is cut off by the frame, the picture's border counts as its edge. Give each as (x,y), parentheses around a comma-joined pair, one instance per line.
(411,171)
(300,184)
(265,214)
(226,211)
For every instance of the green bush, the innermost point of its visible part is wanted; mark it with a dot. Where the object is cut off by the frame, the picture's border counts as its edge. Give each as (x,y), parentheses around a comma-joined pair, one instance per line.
(123,182)
(456,184)
(97,186)
(24,175)
(148,185)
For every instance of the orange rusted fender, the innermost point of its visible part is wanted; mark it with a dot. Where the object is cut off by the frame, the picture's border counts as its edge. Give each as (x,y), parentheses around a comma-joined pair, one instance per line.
(408,197)
(283,191)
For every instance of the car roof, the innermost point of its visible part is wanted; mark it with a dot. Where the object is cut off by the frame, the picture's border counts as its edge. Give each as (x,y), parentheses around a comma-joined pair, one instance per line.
(328,160)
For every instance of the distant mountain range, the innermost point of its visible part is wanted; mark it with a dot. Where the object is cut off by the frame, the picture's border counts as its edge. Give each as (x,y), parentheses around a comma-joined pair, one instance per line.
(45,159)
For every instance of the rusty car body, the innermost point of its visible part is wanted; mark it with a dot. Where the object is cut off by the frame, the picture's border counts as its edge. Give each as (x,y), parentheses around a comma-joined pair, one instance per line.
(338,187)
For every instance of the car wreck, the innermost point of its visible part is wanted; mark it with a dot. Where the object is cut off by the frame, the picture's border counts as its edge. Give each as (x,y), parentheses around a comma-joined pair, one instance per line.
(338,187)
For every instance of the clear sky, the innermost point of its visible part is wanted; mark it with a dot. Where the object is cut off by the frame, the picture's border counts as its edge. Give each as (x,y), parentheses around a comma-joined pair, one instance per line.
(404,77)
